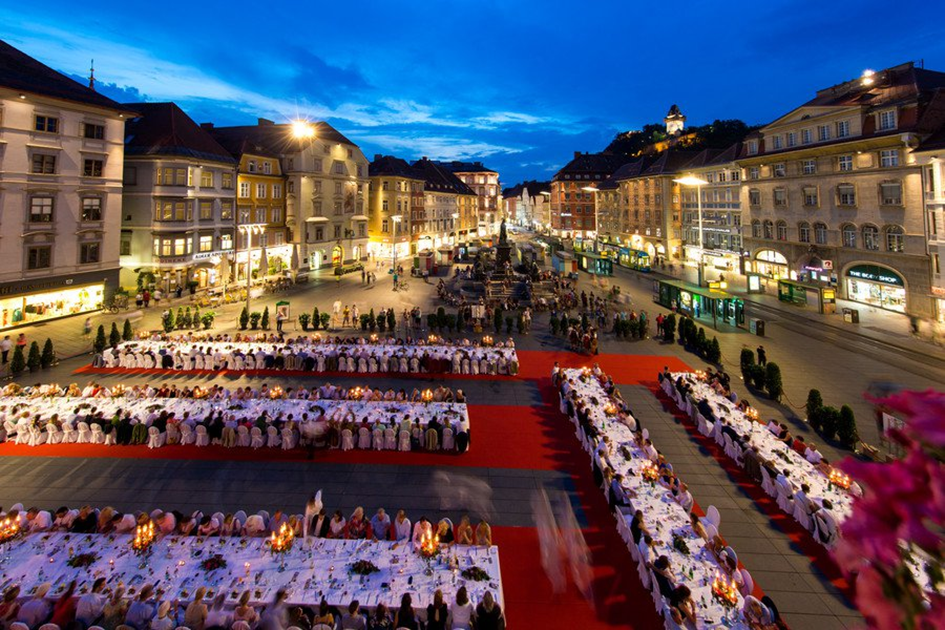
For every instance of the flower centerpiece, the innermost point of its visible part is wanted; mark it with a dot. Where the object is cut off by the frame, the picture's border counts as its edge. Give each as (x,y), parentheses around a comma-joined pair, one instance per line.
(82,560)
(373,337)
(364,567)
(839,479)
(199,392)
(144,538)
(649,471)
(118,391)
(214,562)
(9,529)
(429,547)
(680,545)
(432,339)
(724,589)
(475,574)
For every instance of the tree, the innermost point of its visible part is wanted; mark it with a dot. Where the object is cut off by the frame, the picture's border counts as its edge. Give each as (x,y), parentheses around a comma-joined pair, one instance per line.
(365,320)
(830,421)
(441,318)
(180,317)
(714,353)
(325,319)
(846,428)
(34,360)
(100,341)
(391,320)
(254,318)
(304,319)
(49,354)
(381,323)
(669,328)
(316,319)
(197,319)
(372,320)
(114,337)
(431,321)
(244,318)
(773,381)
(18,362)
(747,359)
(207,319)
(265,319)
(460,321)
(168,320)
(187,320)
(814,403)
(127,334)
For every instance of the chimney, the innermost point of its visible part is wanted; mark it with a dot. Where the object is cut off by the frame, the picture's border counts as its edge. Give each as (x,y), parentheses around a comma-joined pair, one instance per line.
(424,158)
(377,156)
(206,125)
(264,122)
(577,154)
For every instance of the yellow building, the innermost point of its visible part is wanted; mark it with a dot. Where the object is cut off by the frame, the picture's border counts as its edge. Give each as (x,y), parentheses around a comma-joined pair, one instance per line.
(395,204)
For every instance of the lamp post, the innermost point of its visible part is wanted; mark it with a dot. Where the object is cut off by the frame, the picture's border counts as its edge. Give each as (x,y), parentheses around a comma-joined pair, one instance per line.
(698,182)
(395,219)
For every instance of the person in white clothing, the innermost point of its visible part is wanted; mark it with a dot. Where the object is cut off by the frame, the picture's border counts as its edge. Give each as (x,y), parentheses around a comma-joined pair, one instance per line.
(89,607)
(38,520)
(461,611)
(401,526)
(423,529)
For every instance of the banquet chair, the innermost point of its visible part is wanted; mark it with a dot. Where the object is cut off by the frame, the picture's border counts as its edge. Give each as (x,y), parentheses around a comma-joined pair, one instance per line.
(37,436)
(53,434)
(390,439)
(317,626)
(240,516)
(203,438)
(449,443)
(785,498)
(98,436)
(701,424)
(242,434)
(10,428)
(22,432)
(111,438)
(155,439)
(364,438)
(155,513)
(404,442)
(711,531)
(19,626)
(187,435)
(228,437)
(173,434)
(255,526)
(646,434)
(96,628)
(347,440)
(177,628)
(748,584)
(289,438)
(378,437)
(49,626)
(256,438)
(69,434)
(432,440)
(272,437)
(767,484)
(737,453)
(712,515)
(802,513)
(264,515)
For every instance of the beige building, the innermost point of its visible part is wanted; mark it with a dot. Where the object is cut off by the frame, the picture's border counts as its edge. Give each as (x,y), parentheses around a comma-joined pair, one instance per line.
(448,208)
(526,204)
(396,204)
(484,182)
(61,154)
(835,194)
(931,157)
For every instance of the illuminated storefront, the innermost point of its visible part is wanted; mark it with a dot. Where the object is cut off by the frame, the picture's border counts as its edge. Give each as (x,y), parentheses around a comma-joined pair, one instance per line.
(29,308)
(877,286)
(772,264)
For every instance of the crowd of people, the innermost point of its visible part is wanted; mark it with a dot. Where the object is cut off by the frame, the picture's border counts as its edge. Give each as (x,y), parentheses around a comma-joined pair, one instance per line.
(241,352)
(110,607)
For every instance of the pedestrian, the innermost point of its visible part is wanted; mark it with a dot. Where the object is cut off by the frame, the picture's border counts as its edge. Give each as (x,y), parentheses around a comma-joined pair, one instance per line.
(21,342)
(146,296)
(87,328)
(179,292)
(139,299)
(280,319)
(5,346)
(363,275)
(762,356)
(347,316)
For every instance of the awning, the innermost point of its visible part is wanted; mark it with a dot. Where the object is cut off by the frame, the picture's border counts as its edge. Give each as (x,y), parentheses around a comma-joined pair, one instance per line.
(316,220)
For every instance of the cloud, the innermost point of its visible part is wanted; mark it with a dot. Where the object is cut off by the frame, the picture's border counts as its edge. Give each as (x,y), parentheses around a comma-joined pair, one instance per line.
(437,147)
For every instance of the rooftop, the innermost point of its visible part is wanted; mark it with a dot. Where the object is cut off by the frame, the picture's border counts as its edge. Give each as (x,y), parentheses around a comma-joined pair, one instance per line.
(164,129)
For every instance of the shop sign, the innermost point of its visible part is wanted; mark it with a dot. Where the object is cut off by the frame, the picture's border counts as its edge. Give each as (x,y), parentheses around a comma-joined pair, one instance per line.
(874,273)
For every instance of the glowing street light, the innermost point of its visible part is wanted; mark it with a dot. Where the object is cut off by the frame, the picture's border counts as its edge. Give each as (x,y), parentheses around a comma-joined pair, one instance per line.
(302,130)
(698,182)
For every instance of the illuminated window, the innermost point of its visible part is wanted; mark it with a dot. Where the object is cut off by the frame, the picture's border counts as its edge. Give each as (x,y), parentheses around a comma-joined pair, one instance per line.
(206,179)
(845,163)
(41,210)
(92,168)
(206,243)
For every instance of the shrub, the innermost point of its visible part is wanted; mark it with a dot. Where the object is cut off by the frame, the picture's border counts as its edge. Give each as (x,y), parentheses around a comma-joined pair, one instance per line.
(441,318)
(180,317)
(114,337)
(372,320)
(33,361)
(196,319)
(244,318)
(554,325)
(814,402)
(304,319)
(49,354)
(365,320)
(380,323)
(189,318)
(508,325)
(264,322)
(254,320)
(669,328)
(815,419)
(207,319)
(316,319)
(391,320)
(830,421)
(450,322)
(497,320)
(18,362)
(756,377)
(168,320)
(714,354)
(127,334)
(460,321)
(846,427)
(326,320)
(747,359)
(773,381)
(100,341)
(431,321)
(701,343)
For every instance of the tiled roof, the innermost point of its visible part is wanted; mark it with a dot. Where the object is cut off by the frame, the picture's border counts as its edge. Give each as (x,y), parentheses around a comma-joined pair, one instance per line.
(668,162)
(465,167)
(592,163)
(277,139)
(533,187)
(238,144)
(437,178)
(388,165)
(19,71)
(164,129)
(893,85)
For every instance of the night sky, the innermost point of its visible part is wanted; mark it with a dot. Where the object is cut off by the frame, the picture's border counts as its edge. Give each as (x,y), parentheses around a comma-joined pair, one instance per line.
(517,85)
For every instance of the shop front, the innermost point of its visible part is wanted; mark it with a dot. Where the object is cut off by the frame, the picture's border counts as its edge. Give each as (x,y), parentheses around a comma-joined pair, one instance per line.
(29,302)
(772,264)
(938,298)
(877,286)
(822,299)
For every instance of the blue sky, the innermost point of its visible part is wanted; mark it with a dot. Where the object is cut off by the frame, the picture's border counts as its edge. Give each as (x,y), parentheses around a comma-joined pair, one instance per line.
(518,85)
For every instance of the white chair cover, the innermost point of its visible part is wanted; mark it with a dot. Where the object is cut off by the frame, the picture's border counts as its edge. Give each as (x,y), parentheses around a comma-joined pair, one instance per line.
(347,440)
(155,439)
(712,515)
(242,436)
(203,438)
(448,442)
(273,441)
(404,442)
(364,438)
(256,438)
(390,440)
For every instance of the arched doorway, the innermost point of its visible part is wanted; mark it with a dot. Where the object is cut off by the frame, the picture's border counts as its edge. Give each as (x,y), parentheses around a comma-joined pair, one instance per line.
(876,285)
(356,254)
(337,256)
(772,264)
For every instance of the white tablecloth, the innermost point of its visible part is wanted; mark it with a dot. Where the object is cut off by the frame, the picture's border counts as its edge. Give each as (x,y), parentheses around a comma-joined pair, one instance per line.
(316,569)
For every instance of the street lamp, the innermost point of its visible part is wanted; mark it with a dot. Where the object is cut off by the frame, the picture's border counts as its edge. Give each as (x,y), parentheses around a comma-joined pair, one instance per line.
(396,220)
(698,182)
(302,129)
(249,229)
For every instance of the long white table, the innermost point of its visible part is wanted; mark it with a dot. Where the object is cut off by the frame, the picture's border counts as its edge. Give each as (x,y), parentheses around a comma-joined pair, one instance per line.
(314,569)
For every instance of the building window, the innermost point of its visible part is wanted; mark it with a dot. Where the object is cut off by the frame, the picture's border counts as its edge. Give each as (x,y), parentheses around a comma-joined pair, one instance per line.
(44,164)
(846,195)
(172,211)
(226,210)
(92,168)
(779,170)
(41,210)
(845,163)
(754,172)
(820,233)
(768,229)
(337,231)
(809,167)
(91,208)
(339,168)
(251,166)
(792,139)
(227,181)
(807,136)
(823,133)
(260,191)
(810,196)
(290,187)
(206,179)
(267,168)
(754,197)
(889,158)
(384,226)
(780,197)
(319,234)
(870,237)
(848,234)
(244,190)
(206,210)
(260,215)
(843,128)
(93,132)
(782,231)
(777,143)
(226,242)
(890,193)
(803,232)
(89,253)
(886,120)
(277,191)
(39,257)
(47,124)
(205,244)
(362,230)
(752,149)
(895,237)
(124,246)
(276,215)
(385,205)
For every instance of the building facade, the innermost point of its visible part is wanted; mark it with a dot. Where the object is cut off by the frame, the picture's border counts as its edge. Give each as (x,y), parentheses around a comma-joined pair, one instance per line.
(930,156)
(484,182)
(61,153)
(447,208)
(572,204)
(326,189)
(526,204)
(835,194)
(178,204)
(396,203)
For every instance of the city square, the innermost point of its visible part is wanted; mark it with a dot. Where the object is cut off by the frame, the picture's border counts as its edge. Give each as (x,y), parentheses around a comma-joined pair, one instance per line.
(254,379)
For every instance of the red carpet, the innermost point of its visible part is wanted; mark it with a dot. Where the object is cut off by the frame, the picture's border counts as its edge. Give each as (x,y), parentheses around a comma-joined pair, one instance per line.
(802,539)
(88,369)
